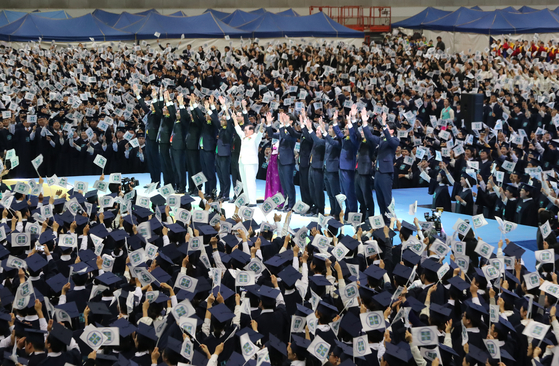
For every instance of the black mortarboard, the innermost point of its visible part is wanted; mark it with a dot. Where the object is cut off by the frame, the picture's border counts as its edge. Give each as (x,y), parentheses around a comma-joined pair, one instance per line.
(458,283)
(124,326)
(410,258)
(477,354)
(276,344)
(319,280)
(407,228)
(513,250)
(61,333)
(289,276)
(402,271)
(57,282)
(240,256)
(36,262)
(397,352)
(35,336)
(375,272)
(108,278)
(379,235)
(147,331)
(415,304)
(99,230)
(383,299)
(98,308)
(221,312)
(327,308)
(349,242)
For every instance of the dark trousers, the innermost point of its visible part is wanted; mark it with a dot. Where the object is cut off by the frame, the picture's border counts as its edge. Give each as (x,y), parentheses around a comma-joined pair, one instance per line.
(383,187)
(153,161)
(286,180)
(193,166)
(223,168)
(332,184)
(207,159)
(304,186)
(235,173)
(166,164)
(316,187)
(364,192)
(179,168)
(347,185)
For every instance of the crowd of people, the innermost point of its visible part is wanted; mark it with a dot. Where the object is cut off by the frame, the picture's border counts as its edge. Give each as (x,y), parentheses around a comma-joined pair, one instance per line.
(127,279)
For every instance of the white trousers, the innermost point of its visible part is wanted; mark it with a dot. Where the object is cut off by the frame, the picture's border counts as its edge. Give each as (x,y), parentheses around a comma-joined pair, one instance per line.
(248,176)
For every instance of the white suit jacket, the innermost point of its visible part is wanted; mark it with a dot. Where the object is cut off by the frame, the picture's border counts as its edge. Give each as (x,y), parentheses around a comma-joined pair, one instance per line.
(249,146)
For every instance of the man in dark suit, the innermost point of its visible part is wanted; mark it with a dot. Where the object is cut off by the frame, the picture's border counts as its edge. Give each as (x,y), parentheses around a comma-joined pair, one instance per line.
(363,177)
(164,139)
(223,158)
(152,122)
(316,173)
(178,146)
(331,167)
(306,146)
(492,111)
(209,126)
(192,152)
(386,151)
(286,163)
(347,161)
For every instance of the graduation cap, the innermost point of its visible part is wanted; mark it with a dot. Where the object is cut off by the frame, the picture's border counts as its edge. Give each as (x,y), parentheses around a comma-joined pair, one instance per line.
(176,228)
(174,345)
(98,308)
(119,235)
(513,250)
(299,345)
(35,336)
(327,309)
(407,228)
(91,196)
(504,326)
(81,268)
(276,344)
(141,212)
(349,242)
(225,291)
(147,331)
(302,310)
(375,272)
(206,229)
(186,199)
(222,313)
(230,240)
(61,333)
(158,200)
(124,326)
(160,275)
(431,265)
(528,188)
(99,230)
(383,299)
(268,292)
(57,282)
(70,308)
(108,278)
(378,234)
(477,354)
(402,271)
(289,276)
(440,312)
(277,261)
(237,359)
(254,336)
(240,256)
(334,223)
(319,280)
(36,262)
(415,304)
(397,353)
(103,359)
(458,283)
(474,311)
(410,258)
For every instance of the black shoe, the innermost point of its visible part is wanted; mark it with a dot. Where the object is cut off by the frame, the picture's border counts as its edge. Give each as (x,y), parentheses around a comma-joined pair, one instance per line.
(232,200)
(251,205)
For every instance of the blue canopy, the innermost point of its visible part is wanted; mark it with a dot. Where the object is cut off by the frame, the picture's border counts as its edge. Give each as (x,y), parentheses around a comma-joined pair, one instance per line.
(179,13)
(288,13)
(199,26)
(147,12)
(526,9)
(317,25)
(476,8)
(493,23)
(509,9)
(126,19)
(239,17)
(106,17)
(542,21)
(218,14)
(8,16)
(418,20)
(260,11)
(450,21)
(32,26)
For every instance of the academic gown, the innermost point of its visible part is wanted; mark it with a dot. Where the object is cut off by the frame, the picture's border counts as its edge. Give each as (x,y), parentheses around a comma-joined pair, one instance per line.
(35,359)
(441,197)
(274,322)
(526,212)
(467,209)
(71,357)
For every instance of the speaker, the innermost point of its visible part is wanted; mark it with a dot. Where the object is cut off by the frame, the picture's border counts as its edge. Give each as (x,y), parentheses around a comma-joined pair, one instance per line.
(471,109)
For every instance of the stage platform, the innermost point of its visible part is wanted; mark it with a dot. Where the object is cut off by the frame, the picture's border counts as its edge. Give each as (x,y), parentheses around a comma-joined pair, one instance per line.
(524,236)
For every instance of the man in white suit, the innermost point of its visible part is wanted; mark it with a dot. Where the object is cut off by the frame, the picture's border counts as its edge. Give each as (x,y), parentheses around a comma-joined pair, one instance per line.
(248,158)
